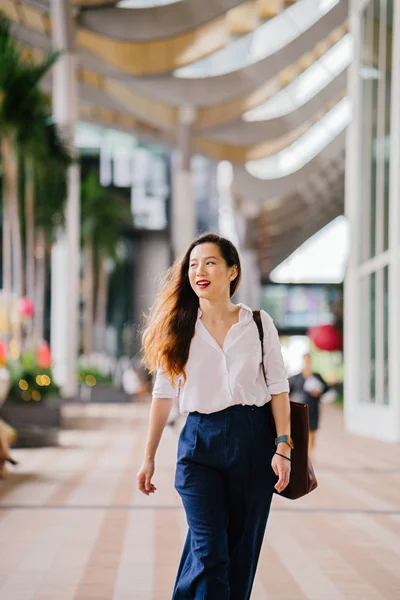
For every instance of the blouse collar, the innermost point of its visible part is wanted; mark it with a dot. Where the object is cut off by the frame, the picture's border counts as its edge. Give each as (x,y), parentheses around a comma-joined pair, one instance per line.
(243,314)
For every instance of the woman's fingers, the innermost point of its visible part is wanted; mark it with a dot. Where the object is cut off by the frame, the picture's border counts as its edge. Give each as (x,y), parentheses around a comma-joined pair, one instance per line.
(149,486)
(144,481)
(284,476)
(282,470)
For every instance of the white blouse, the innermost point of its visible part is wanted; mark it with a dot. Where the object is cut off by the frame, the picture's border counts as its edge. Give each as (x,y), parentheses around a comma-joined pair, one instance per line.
(221,377)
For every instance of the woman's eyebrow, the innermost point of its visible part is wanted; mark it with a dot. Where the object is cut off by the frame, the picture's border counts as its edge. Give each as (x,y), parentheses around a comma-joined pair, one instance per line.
(206,258)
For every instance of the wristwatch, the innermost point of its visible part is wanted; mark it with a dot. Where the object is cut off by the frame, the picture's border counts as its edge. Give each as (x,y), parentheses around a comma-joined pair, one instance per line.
(286,439)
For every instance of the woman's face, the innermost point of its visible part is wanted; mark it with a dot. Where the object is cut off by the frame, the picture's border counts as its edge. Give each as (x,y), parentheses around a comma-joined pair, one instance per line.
(209,275)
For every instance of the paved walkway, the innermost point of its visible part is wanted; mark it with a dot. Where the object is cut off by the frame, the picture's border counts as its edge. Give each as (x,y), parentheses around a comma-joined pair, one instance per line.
(74,527)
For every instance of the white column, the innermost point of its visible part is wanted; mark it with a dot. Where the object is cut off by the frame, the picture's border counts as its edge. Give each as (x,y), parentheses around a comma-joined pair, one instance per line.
(352,363)
(371,419)
(66,250)
(183,213)
(394,231)
(249,291)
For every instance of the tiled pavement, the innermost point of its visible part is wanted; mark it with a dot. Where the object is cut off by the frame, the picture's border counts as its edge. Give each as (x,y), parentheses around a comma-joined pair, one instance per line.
(74,527)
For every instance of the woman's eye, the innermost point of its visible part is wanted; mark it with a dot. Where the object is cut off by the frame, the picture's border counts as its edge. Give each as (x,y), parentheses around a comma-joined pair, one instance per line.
(210,262)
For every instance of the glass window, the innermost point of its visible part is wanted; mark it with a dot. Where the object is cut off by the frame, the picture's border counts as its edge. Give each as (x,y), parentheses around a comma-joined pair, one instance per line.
(372,344)
(375,80)
(386,335)
(388,85)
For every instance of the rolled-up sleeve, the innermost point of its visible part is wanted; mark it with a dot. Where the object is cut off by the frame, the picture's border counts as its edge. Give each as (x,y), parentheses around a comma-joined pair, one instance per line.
(162,386)
(275,369)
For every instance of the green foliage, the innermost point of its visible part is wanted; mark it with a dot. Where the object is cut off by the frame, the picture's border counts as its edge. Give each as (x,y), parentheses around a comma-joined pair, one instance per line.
(19,79)
(30,383)
(25,116)
(104,214)
(93,376)
(51,162)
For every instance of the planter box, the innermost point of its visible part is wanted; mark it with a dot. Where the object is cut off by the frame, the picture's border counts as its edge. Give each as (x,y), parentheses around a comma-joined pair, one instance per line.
(104,394)
(38,425)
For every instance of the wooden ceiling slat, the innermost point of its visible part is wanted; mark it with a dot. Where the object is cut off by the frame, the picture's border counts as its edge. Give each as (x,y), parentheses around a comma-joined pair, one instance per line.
(89,78)
(288,75)
(32,18)
(268,9)
(148,110)
(92,2)
(160,56)
(10,10)
(243,19)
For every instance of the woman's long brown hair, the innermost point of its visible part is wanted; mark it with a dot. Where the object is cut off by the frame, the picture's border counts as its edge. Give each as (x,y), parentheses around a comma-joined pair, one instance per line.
(171,322)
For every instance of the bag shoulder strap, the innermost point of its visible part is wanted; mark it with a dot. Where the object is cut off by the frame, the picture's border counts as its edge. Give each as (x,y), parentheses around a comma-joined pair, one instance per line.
(257,319)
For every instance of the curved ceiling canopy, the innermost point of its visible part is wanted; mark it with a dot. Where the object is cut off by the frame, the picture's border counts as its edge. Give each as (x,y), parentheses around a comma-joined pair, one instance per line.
(158,22)
(309,145)
(222,88)
(94,52)
(240,142)
(260,190)
(240,132)
(267,79)
(292,104)
(145,3)
(267,39)
(302,89)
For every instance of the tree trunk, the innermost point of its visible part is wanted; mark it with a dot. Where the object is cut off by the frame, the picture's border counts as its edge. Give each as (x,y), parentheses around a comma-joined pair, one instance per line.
(6,148)
(30,228)
(101,305)
(40,291)
(88,294)
(18,284)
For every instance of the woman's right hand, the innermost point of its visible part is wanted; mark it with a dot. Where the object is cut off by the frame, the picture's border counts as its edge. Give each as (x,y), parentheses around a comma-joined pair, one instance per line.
(144,477)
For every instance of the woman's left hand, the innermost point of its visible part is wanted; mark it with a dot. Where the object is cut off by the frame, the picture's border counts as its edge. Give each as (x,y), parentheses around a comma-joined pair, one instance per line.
(281,468)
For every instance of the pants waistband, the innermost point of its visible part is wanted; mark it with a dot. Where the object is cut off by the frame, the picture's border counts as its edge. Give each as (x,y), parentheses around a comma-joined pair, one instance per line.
(233,408)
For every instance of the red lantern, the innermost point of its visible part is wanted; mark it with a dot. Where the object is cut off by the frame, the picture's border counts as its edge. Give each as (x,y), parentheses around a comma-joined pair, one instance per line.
(26,308)
(3,353)
(43,355)
(326,337)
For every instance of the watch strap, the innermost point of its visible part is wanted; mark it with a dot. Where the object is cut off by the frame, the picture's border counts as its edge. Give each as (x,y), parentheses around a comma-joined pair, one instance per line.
(284,439)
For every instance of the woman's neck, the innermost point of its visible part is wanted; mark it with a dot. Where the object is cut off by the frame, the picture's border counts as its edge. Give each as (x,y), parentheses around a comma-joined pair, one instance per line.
(218,310)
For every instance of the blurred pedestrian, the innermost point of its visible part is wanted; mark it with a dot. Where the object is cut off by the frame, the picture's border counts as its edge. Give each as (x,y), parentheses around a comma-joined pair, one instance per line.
(7,434)
(228,460)
(308,387)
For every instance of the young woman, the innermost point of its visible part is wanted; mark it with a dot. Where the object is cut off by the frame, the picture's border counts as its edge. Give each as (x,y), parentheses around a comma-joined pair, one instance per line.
(207,349)
(308,387)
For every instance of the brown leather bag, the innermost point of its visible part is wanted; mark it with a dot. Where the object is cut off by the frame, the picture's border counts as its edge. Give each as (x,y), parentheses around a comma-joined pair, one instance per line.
(302,476)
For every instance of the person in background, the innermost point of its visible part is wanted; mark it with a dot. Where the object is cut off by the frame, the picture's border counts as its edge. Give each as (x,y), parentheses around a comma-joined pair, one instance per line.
(308,387)
(6,435)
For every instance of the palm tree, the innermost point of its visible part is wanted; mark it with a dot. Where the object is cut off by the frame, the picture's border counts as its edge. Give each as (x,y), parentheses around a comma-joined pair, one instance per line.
(50,163)
(18,112)
(103,216)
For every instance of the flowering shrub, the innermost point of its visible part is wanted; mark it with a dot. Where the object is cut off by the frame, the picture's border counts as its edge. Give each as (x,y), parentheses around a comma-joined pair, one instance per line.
(29,381)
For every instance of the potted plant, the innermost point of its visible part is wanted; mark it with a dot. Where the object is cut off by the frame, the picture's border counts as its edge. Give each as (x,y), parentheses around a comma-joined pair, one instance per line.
(33,403)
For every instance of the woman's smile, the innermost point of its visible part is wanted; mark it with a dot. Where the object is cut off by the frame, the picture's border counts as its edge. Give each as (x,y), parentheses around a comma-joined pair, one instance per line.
(203,284)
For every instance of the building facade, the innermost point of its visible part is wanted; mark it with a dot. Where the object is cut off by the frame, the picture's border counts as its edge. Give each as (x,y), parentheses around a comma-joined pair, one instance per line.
(372,286)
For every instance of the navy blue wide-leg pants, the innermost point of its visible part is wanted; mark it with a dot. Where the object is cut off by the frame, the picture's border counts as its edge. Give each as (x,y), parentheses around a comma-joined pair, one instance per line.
(225,479)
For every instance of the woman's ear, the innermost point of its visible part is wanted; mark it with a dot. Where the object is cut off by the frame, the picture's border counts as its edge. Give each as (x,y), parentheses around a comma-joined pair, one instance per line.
(234,273)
